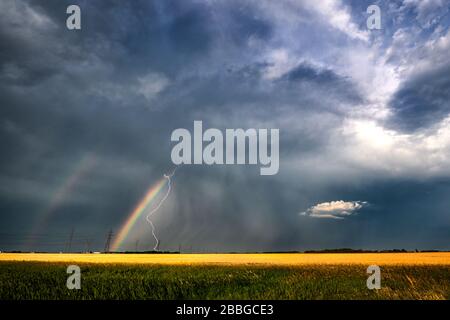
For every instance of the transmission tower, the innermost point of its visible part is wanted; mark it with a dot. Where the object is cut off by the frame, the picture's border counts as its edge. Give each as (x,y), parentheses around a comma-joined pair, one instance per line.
(108,240)
(137,245)
(69,245)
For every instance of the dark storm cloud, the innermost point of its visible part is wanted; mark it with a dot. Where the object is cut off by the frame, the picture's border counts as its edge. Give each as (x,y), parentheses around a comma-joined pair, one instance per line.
(65,95)
(327,80)
(113,92)
(422,101)
(308,73)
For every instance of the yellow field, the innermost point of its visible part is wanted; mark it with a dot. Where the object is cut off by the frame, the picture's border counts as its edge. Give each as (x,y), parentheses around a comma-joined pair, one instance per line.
(278,259)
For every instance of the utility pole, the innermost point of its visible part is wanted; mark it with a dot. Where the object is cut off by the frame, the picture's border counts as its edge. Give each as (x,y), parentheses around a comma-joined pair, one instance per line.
(88,245)
(137,245)
(108,240)
(70,240)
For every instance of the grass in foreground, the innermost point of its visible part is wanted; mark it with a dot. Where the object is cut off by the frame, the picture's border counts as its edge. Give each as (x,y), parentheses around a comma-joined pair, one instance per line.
(38,280)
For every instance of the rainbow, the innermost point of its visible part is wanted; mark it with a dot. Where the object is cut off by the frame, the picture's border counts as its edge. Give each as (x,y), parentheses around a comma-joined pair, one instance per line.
(138,211)
(72,181)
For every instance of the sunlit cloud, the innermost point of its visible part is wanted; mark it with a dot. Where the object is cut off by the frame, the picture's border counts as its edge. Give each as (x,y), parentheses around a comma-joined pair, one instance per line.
(334,209)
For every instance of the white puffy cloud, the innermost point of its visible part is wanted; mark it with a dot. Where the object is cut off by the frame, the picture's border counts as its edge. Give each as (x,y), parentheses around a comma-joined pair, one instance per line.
(334,209)
(421,154)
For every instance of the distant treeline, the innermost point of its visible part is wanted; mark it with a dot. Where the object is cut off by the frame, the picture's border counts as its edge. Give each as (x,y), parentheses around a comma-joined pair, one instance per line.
(338,250)
(349,250)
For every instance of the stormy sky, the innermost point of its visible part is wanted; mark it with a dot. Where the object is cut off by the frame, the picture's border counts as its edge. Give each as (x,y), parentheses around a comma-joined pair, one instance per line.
(86,118)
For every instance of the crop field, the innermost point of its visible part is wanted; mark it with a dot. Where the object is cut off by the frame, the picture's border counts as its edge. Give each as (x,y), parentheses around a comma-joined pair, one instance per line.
(279,259)
(225,276)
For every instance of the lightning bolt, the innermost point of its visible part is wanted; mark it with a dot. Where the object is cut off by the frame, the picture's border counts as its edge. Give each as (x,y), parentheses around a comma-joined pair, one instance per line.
(160,203)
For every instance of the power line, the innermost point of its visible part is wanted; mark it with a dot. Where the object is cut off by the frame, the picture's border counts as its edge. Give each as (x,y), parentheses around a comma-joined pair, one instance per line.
(108,240)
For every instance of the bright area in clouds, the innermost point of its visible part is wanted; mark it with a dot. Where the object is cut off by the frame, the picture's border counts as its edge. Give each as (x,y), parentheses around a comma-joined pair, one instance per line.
(334,209)
(363,114)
